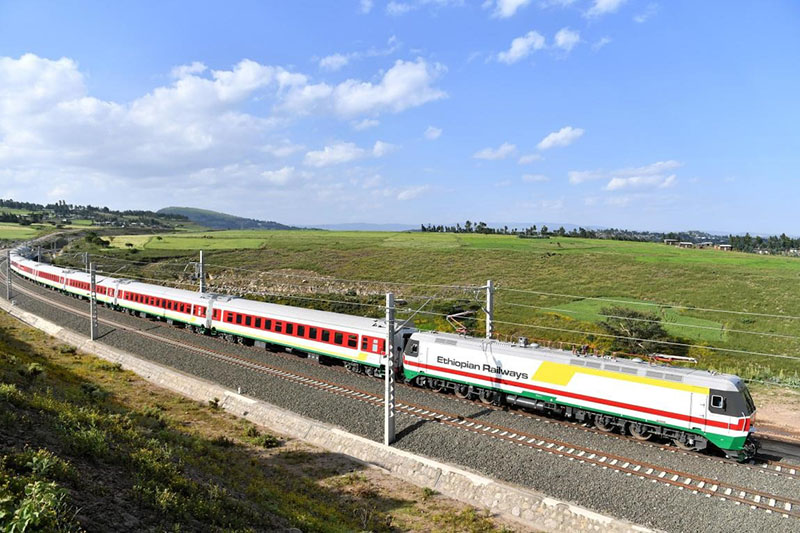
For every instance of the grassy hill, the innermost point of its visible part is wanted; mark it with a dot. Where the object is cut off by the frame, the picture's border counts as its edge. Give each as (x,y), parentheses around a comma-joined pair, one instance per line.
(565,275)
(217,220)
(87,446)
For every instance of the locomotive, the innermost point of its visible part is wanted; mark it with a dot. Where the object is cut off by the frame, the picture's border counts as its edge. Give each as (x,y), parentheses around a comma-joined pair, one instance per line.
(695,409)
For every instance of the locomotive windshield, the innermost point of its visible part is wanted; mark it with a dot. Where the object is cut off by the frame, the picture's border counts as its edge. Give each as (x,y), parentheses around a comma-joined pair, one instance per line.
(732,403)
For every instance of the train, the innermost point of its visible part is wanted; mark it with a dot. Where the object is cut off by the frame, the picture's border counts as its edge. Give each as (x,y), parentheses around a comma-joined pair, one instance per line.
(695,409)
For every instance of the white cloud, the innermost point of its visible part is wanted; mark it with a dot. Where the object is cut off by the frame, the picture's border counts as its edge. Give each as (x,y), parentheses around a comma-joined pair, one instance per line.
(602,7)
(279,177)
(381,148)
(184,70)
(338,60)
(283,149)
(521,47)
(534,178)
(566,39)
(398,8)
(412,192)
(365,124)
(656,174)
(365,6)
(432,133)
(647,14)
(637,182)
(345,152)
(505,8)
(501,152)
(580,176)
(335,154)
(600,43)
(529,158)
(407,84)
(563,137)
(333,62)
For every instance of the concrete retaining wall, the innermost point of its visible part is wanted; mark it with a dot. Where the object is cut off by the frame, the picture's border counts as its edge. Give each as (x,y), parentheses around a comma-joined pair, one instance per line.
(522,505)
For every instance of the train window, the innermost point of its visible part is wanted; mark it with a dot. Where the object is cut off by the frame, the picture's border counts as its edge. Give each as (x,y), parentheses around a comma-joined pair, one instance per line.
(717,402)
(215,314)
(278,326)
(326,335)
(257,323)
(301,331)
(268,324)
(247,320)
(312,333)
(238,318)
(352,341)
(338,338)
(289,328)
(376,345)
(365,343)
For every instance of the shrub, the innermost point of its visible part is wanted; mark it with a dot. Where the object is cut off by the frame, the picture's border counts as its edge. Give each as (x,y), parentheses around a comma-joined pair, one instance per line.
(214,404)
(67,349)
(31,372)
(267,441)
(43,507)
(94,392)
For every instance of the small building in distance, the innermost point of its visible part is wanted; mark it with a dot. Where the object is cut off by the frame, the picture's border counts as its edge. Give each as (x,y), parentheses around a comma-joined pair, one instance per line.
(671,242)
(724,247)
(686,245)
(707,244)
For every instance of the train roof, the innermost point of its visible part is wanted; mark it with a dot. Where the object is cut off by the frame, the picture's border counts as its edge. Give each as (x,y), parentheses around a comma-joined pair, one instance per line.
(300,314)
(691,376)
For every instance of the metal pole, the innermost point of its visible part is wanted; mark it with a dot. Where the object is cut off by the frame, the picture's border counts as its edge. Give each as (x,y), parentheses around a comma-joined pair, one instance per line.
(92,303)
(86,261)
(489,309)
(39,254)
(8,275)
(388,426)
(202,273)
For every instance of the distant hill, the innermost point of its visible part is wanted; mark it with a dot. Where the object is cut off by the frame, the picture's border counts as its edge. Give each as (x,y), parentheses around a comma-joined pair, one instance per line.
(363,226)
(216,220)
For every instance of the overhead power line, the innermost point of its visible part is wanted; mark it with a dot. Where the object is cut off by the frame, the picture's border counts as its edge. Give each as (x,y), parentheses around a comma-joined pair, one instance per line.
(681,324)
(668,343)
(651,304)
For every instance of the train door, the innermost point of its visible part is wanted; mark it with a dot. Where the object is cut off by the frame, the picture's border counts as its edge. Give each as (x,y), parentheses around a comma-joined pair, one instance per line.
(699,411)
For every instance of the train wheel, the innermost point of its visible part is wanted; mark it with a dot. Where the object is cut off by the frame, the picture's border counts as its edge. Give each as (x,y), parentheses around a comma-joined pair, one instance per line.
(438,385)
(370,371)
(487,396)
(355,368)
(638,431)
(463,391)
(603,423)
(683,445)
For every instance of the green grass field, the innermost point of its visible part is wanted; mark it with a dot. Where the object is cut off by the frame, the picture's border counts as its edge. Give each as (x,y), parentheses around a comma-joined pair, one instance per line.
(576,268)
(13,232)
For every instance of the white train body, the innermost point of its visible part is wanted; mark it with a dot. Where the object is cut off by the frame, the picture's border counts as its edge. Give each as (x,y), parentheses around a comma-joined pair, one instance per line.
(713,406)
(354,339)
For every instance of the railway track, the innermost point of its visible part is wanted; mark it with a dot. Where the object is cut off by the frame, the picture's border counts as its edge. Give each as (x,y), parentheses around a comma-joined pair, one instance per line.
(760,464)
(755,499)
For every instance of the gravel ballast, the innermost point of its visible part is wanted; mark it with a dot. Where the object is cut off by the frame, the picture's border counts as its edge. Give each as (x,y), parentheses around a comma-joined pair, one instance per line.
(648,503)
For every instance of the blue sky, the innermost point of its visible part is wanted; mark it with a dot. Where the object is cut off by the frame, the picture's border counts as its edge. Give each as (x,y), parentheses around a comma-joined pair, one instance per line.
(639,114)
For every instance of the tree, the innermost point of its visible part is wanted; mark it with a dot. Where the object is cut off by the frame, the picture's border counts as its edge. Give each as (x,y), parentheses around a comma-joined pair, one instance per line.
(637,329)
(543,231)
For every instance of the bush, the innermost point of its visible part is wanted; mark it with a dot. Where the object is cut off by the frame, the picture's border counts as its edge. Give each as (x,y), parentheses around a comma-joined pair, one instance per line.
(67,349)
(267,441)
(43,507)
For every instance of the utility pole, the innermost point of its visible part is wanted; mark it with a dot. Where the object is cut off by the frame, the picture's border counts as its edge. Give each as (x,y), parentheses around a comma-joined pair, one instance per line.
(202,273)
(86,261)
(92,303)
(388,425)
(39,254)
(8,275)
(489,309)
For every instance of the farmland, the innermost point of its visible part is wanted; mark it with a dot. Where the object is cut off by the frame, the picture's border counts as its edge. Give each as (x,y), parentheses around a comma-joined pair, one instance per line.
(667,281)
